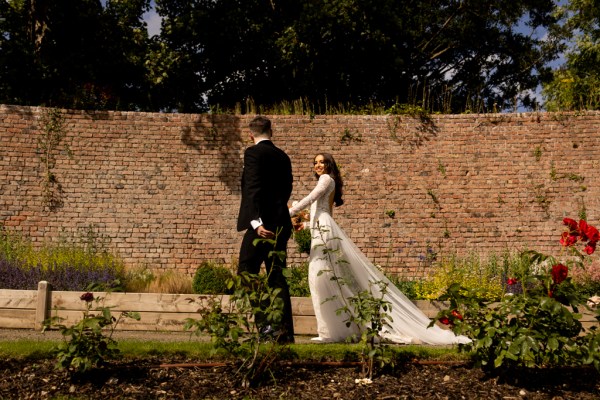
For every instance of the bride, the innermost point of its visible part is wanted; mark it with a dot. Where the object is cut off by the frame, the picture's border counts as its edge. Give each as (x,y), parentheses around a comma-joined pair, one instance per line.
(338,270)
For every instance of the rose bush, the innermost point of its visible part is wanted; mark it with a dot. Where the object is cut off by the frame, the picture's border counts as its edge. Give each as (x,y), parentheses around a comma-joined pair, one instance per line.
(540,327)
(86,345)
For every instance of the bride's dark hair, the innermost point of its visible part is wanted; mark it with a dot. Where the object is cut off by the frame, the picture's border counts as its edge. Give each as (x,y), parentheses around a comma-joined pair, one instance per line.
(332,169)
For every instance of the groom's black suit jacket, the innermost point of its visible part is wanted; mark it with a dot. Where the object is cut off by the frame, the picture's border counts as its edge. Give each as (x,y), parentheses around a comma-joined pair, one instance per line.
(266,187)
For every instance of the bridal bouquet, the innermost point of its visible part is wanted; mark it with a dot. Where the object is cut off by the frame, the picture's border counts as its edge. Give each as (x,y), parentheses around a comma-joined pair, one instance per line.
(298,220)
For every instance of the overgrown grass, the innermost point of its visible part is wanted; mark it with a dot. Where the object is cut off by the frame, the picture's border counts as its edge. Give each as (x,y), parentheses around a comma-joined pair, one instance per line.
(145,280)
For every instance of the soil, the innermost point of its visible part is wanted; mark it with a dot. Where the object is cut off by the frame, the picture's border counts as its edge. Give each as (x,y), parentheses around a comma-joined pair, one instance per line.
(182,378)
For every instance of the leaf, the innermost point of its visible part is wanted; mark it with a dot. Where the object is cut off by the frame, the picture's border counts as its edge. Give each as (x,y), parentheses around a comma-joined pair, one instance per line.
(499,360)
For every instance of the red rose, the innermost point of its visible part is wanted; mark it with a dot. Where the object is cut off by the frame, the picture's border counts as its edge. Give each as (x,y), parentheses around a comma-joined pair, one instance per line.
(87,297)
(559,273)
(457,315)
(592,234)
(568,239)
(445,320)
(571,223)
(590,248)
(583,228)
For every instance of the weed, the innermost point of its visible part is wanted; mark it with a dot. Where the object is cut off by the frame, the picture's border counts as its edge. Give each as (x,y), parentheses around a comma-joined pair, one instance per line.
(348,136)
(52,135)
(537,153)
(582,211)
(441,168)
(433,196)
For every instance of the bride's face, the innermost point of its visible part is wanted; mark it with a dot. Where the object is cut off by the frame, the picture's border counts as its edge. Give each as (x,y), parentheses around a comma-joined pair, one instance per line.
(319,165)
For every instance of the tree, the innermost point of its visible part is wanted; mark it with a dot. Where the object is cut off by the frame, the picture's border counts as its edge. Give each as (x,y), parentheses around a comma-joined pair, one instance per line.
(446,55)
(17,70)
(74,53)
(576,85)
(222,51)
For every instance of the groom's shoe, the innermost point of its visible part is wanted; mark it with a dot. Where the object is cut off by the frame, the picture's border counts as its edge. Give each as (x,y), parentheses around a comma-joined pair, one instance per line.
(268,334)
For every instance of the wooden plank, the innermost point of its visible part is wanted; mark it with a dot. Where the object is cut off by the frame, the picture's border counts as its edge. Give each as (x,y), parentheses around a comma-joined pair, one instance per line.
(305,325)
(155,302)
(128,301)
(152,321)
(162,311)
(17,318)
(25,299)
(302,306)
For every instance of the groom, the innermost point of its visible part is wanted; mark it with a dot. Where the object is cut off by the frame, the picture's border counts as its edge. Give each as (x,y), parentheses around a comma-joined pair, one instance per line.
(266,188)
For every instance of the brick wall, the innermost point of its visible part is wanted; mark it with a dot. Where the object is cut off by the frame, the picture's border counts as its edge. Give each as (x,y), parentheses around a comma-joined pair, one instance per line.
(165,187)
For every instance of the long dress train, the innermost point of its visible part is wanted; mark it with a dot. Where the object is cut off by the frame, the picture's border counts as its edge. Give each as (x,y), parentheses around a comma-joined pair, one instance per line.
(334,255)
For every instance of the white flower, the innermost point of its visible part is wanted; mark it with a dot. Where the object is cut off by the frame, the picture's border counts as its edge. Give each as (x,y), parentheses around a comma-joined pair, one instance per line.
(593,301)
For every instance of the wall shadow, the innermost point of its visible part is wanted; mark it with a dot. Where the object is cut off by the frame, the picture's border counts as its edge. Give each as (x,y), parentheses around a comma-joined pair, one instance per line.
(221,134)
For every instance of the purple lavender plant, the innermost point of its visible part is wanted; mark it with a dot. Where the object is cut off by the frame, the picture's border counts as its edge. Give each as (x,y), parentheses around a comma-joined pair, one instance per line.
(14,275)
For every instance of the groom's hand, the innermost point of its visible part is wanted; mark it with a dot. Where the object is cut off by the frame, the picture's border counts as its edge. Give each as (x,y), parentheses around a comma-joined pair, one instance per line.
(264,233)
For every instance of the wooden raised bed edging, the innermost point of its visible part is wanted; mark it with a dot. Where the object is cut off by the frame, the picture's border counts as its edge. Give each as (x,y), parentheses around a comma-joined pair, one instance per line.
(27,309)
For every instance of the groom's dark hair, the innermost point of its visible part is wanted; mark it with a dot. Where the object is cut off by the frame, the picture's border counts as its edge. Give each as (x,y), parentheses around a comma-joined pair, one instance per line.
(261,126)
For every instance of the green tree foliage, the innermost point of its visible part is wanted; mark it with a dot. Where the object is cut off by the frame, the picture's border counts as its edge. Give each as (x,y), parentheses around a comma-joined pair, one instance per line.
(446,56)
(74,53)
(16,54)
(576,85)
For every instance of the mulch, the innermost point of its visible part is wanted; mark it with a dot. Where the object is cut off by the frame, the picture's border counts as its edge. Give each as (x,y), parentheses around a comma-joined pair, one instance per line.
(183,378)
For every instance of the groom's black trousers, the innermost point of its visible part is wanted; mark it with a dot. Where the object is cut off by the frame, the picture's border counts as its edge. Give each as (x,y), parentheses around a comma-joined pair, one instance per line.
(252,257)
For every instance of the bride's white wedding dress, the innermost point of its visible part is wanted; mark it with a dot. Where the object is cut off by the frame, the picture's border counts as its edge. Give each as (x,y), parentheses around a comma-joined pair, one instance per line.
(334,255)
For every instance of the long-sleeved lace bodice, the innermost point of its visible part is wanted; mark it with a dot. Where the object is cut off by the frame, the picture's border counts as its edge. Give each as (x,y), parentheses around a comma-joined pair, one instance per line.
(319,199)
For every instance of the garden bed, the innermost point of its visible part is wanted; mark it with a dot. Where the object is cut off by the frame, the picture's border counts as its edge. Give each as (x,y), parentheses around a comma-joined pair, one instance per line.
(177,378)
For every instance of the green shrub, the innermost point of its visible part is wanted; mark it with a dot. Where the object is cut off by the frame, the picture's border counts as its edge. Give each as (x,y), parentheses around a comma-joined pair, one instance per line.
(302,239)
(297,278)
(587,278)
(410,288)
(485,277)
(539,327)
(211,278)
